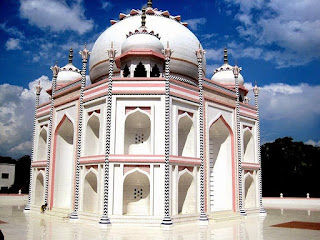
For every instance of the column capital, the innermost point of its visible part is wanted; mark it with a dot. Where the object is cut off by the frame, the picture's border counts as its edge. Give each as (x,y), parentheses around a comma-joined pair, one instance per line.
(256,89)
(200,53)
(55,70)
(85,53)
(167,52)
(236,70)
(112,52)
(38,88)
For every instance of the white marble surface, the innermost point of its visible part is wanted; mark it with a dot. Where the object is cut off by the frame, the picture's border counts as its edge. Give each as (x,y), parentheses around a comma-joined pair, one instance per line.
(40,226)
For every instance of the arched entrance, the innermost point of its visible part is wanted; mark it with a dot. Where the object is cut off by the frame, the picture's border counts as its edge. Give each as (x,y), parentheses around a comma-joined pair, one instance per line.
(136,194)
(250,192)
(220,153)
(248,146)
(42,145)
(92,136)
(186,194)
(137,138)
(39,190)
(64,164)
(90,194)
(186,143)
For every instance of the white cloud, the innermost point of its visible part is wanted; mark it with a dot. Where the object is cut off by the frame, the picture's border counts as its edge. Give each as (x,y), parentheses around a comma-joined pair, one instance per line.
(16,116)
(292,26)
(298,104)
(55,15)
(13,44)
(214,54)
(313,143)
(12,31)
(196,22)
(106,5)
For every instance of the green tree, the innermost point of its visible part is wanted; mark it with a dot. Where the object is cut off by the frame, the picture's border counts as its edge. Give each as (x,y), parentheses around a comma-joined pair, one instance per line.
(290,168)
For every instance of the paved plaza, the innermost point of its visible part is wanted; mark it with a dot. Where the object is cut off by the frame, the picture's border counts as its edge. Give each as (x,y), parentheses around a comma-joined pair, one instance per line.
(15,224)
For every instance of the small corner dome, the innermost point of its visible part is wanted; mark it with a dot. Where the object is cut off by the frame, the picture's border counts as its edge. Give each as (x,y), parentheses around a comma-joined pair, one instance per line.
(68,73)
(224,75)
(142,41)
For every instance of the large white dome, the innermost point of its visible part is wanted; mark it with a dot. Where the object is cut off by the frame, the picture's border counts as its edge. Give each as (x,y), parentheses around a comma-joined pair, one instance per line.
(67,74)
(225,76)
(182,41)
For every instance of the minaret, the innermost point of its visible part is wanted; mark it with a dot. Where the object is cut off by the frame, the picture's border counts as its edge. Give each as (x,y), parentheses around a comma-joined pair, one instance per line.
(236,72)
(55,70)
(84,55)
(167,219)
(105,218)
(38,90)
(256,90)
(203,217)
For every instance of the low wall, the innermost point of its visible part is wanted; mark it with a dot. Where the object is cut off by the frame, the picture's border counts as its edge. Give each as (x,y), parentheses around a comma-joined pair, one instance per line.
(13,199)
(291,203)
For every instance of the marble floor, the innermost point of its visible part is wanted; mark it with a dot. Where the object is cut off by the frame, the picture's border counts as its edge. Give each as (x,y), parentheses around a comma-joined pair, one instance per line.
(17,225)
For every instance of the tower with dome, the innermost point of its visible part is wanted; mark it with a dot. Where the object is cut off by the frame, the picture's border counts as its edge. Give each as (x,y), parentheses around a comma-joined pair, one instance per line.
(151,140)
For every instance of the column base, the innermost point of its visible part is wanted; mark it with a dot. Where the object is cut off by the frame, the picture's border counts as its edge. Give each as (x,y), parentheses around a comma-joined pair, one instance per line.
(74,216)
(263,212)
(104,220)
(203,220)
(243,212)
(27,208)
(166,221)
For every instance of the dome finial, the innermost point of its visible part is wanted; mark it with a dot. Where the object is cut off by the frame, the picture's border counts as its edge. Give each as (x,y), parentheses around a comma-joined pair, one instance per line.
(143,17)
(225,56)
(70,55)
(149,3)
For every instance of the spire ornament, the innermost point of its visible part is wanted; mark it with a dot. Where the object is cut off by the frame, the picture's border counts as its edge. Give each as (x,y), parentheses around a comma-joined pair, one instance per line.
(85,53)
(225,56)
(70,55)
(149,4)
(111,52)
(167,52)
(55,70)
(143,17)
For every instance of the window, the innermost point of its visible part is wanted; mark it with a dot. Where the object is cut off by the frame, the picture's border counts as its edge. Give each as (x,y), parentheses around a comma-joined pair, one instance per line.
(126,71)
(140,71)
(155,71)
(5,175)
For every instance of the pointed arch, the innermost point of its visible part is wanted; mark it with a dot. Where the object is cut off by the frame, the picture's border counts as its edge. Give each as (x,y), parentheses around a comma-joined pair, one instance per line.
(137,134)
(140,70)
(248,146)
(249,191)
(92,141)
(136,193)
(39,189)
(221,165)
(186,193)
(90,192)
(63,164)
(186,136)
(155,72)
(42,144)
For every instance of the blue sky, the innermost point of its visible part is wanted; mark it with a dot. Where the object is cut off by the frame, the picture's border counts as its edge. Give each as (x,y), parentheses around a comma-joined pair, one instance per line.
(276,42)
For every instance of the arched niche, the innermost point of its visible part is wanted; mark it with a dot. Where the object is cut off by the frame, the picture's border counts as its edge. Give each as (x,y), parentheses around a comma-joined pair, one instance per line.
(155,72)
(186,138)
(90,193)
(42,144)
(220,162)
(250,191)
(39,190)
(186,194)
(140,70)
(248,146)
(64,164)
(137,139)
(92,142)
(136,194)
